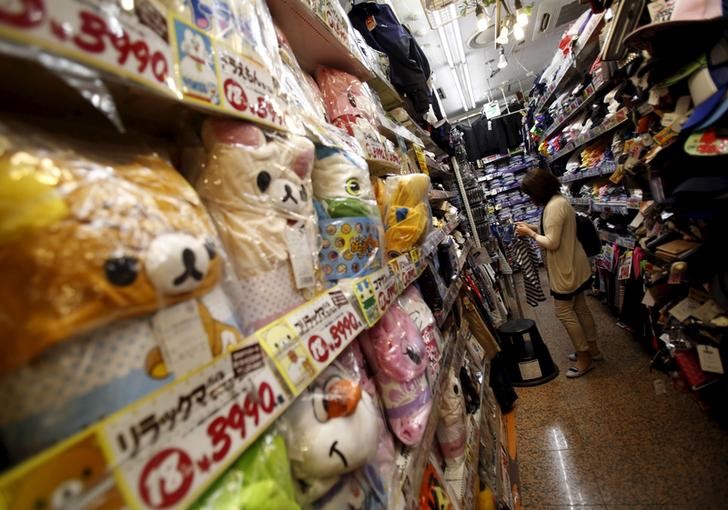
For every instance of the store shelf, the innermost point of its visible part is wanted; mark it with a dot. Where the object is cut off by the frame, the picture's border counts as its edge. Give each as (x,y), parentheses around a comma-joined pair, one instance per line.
(502,189)
(410,463)
(448,301)
(392,129)
(570,69)
(559,125)
(611,237)
(388,96)
(380,167)
(313,41)
(435,167)
(437,194)
(619,118)
(603,168)
(255,367)
(436,236)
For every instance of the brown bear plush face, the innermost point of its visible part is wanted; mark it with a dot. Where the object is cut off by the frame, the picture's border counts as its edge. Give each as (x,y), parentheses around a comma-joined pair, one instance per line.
(92,238)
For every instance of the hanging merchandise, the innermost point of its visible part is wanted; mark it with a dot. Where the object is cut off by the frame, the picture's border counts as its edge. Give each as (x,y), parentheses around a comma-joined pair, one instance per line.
(258,192)
(413,303)
(451,430)
(351,227)
(120,270)
(410,69)
(398,357)
(407,215)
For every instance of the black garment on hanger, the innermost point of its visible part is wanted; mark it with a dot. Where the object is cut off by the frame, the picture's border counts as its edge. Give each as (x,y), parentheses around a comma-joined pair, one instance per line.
(409,67)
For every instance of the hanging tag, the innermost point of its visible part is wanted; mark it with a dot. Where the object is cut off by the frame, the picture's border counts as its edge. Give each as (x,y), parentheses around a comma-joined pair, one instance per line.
(300,256)
(182,337)
(709,358)
(371,23)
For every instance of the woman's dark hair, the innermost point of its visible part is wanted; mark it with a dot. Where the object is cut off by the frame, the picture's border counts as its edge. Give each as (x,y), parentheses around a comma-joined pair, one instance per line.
(540,185)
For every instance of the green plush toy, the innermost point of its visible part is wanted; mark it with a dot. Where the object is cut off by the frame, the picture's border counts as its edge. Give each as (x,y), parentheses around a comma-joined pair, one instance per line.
(260,478)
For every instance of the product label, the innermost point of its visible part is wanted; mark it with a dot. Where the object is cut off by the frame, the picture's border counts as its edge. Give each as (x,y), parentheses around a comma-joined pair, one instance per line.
(366,297)
(300,257)
(282,343)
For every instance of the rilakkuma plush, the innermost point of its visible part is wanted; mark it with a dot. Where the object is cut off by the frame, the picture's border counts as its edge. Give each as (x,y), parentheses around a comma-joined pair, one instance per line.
(331,429)
(413,303)
(349,221)
(258,192)
(109,253)
(451,429)
(408,217)
(397,355)
(260,478)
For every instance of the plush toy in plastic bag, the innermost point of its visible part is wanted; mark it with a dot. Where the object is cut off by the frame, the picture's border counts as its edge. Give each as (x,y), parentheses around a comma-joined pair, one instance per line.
(331,430)
(260,478)
(349,221)
(395,351)
(111,281)
(407,217)
(258,192)
(413,303)
(451,431)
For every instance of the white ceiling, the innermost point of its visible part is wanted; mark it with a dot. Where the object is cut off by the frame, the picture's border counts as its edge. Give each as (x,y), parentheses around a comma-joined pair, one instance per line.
(533,55)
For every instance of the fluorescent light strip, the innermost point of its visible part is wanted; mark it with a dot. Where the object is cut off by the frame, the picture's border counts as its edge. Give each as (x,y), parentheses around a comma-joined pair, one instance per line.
(468,84)
(459,87)
(458,40)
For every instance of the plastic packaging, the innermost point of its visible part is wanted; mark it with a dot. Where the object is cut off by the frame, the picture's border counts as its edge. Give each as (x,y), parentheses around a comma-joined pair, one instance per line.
(257,189)
(331,430)
(451,430)
(397,355)
(260,478)
(351,228)
(414,304)
(112,281)
(407,216)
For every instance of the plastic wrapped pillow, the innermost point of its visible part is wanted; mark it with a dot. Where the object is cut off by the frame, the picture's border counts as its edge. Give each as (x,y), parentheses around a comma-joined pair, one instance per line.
(408,216)
(260,478)
(331,430)
(350,225)
(413,303)
(112,269)
(397,355)
(451,429)
(258,192)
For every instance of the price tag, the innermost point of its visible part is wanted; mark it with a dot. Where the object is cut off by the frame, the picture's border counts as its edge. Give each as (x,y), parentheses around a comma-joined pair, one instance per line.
(174,472)
(247,88)
(282,343)
(408,270)
(366,297)
(182,337)
(131,44)
(396,272)
(326,326)
(709,358)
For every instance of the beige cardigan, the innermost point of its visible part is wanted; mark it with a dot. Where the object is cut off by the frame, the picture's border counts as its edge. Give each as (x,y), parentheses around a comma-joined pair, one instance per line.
(566,263)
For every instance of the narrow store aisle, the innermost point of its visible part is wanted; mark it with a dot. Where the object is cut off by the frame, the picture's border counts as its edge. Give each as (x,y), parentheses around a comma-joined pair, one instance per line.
(607,440)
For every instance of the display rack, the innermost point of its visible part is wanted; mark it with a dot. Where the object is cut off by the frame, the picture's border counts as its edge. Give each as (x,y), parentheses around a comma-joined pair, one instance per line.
(606,167)
(619,118)
(437,194)
(588,96)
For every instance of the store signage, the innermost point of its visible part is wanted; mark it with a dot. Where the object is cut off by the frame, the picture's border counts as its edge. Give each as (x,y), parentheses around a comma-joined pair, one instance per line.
(491,109)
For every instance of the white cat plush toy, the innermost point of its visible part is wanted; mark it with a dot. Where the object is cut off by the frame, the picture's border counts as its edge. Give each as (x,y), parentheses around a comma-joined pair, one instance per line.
(332,429)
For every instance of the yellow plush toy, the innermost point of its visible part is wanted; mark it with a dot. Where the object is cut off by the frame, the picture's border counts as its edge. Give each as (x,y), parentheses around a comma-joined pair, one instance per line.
(407,216)
(110,282)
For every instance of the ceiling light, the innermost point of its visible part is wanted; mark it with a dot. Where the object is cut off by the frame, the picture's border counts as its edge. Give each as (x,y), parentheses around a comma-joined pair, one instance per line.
(502,62)
(468,84)
(518,33)
(503,37)
(482,17)
(521,18)
(460,53)
(459,87)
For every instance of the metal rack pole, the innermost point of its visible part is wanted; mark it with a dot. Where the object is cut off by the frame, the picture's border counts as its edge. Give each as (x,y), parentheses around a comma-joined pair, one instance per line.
(464,195)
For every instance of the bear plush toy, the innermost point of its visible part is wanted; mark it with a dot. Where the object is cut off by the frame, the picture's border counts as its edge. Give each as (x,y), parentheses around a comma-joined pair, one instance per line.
(349,221)
(331,430)
(258,192)
(111,277)
(396,353)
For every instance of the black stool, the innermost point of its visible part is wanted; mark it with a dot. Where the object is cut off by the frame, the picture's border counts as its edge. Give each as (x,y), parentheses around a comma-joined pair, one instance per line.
(529,360)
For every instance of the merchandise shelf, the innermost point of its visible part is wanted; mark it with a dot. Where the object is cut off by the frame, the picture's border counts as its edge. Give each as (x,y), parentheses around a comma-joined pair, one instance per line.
(586,101)
(411,462)
(611,237)
(570,68)
(619,118)
(389,97)
(392,129)
(603,168)
(437,194)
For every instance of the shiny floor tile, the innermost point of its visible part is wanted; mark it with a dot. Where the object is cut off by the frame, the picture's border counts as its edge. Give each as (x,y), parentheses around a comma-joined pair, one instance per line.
(609,440)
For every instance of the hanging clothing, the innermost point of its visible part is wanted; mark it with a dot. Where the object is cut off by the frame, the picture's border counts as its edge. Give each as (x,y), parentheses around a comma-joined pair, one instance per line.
(409,67)
(524,253)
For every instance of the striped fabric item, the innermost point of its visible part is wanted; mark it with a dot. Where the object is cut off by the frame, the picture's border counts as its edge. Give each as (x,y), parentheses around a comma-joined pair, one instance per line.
(524,253)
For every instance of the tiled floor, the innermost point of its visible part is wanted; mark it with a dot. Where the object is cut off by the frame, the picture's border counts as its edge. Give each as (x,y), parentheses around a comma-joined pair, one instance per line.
(607,440)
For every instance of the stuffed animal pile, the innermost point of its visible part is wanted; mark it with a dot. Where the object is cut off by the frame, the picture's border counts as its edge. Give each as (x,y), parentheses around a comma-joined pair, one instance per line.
(349,221)
(396,353)
(258,192)
(114,288)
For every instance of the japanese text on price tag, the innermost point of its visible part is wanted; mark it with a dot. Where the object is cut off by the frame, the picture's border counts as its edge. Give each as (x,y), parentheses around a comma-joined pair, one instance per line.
(367,298)
(134,43)
(326,326)
(282,343)
(173,473)
(385,288)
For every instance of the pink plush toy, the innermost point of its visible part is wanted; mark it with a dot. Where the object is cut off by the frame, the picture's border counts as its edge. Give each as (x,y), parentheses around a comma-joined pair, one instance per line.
(414,304)
(397,355)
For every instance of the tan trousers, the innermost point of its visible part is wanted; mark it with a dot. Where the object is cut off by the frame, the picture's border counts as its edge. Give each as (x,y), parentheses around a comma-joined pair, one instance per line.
(576,317)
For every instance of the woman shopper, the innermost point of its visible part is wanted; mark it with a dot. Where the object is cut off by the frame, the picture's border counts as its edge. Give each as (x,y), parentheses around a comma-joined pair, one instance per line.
(567,265)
